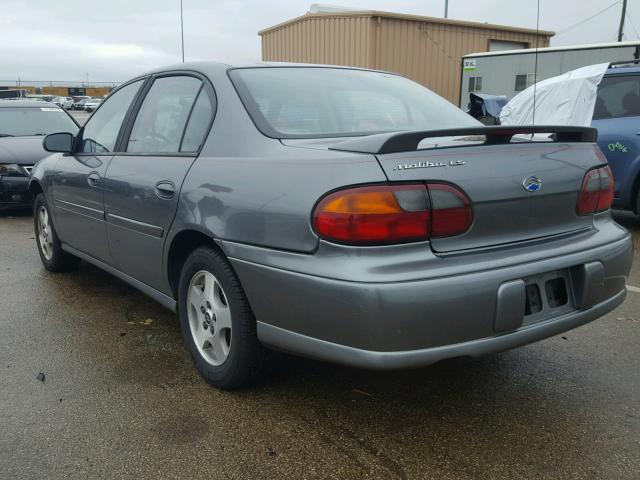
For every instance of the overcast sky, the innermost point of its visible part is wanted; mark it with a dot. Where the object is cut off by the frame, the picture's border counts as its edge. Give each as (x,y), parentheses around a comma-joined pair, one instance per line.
(113,40)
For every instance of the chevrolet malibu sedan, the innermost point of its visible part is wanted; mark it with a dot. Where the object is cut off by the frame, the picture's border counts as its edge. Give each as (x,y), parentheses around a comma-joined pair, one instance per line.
(346,215)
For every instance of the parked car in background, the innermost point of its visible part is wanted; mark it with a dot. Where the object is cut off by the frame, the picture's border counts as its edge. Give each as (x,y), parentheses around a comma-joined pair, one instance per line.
(59,101)
(605,96)
(67,104)
(23,123)
(91,104)
(617,118)
(79,102)
(347,215)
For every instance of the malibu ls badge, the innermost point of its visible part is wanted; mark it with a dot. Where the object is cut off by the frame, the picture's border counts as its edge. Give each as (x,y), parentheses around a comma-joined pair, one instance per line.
(410,166)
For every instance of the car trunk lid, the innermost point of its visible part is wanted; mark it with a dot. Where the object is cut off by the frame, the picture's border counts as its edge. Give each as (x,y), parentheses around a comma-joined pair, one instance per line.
(519,191)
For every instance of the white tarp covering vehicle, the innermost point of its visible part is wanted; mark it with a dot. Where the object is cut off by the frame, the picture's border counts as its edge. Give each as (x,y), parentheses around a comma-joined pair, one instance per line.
(568,99)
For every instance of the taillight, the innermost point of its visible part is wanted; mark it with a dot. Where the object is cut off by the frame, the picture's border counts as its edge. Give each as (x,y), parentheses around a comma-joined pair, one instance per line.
(596,194)
(451,211)
(389,214)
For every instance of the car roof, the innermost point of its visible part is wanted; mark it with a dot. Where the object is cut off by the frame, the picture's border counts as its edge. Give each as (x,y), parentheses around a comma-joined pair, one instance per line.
(623,69)
(26,103)
(218,67)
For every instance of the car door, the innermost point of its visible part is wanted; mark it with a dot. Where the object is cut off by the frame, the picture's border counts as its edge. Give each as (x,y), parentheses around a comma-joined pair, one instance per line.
(78,181)
(142,184)
(617,118)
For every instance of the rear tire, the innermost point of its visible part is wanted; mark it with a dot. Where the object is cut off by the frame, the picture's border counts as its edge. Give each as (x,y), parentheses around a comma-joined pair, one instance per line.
(217,324)
(53,257)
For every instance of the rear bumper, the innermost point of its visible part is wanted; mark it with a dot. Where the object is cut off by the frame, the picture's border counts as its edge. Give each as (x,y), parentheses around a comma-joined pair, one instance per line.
(14,192)
(399,307)
(354,357)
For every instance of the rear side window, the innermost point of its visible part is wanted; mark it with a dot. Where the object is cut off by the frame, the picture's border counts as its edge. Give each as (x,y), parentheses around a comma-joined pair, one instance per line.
(101,131)
(199,121)
(618,96)
(161,121)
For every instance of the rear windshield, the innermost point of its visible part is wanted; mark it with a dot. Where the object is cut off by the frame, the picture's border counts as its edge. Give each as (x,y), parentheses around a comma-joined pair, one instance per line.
(21,121)
(307,102)
(618,96)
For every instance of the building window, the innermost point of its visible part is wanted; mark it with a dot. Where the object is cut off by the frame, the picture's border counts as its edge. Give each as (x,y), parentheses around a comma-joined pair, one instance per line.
(524,81)
(475,84)
(502,45)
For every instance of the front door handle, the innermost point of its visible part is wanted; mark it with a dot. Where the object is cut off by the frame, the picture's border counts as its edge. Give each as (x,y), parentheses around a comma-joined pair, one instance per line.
(165,189)
(93,179)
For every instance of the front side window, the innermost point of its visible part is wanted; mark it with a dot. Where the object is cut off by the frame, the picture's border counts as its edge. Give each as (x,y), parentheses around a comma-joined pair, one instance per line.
(161,121)
(23,121)
(307,102)
(101,131)
(618,96)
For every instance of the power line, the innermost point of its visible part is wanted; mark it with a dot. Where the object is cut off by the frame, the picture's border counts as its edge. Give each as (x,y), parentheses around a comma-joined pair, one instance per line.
(571,27)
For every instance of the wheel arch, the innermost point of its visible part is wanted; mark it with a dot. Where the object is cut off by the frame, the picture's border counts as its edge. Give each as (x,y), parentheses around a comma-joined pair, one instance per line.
(182,244)
(35,188)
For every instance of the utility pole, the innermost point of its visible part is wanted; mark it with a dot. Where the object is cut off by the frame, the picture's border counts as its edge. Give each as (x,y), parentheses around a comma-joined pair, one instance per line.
(624,13)
(446,8)
(182,31)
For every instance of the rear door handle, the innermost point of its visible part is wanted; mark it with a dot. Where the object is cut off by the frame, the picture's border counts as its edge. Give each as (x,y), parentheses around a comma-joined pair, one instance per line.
(165,189)
(93,179)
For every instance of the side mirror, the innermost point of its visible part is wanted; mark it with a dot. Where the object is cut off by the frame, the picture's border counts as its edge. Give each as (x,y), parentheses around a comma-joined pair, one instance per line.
(58,142)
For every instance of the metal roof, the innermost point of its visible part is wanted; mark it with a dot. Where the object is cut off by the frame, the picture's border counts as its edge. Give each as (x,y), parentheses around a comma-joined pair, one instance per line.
(588,46)
(405,16)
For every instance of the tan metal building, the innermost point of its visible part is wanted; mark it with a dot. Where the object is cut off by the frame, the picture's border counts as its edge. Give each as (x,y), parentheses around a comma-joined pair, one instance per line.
(425,49)
(70,91)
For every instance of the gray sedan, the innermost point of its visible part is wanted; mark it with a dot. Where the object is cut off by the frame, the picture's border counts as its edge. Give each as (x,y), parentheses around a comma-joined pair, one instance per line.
(342,214)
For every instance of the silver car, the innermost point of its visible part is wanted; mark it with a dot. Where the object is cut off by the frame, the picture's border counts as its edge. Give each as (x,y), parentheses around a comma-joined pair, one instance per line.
(91,104)
(346,215)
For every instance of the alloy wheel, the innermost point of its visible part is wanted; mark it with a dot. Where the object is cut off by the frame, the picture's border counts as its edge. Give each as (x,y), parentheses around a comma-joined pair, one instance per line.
(209,317)
(45,233)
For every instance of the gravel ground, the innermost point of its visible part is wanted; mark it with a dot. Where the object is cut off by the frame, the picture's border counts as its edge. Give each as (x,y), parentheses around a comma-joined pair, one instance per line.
(120,398)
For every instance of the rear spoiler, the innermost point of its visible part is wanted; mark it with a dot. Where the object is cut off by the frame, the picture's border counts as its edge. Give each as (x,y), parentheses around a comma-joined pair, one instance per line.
(395,142)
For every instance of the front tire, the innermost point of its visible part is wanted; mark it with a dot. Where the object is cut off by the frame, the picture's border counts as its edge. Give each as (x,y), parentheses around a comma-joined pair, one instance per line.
(53,257)
(217,324)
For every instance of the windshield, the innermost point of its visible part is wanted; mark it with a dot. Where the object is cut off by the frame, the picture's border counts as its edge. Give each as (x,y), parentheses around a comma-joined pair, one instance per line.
(22,121)
(306,102)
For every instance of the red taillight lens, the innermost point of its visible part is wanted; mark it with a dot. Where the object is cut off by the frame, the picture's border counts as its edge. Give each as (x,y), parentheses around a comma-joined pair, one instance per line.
(389,214)
(596,194)
(376,215)
(450,209)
